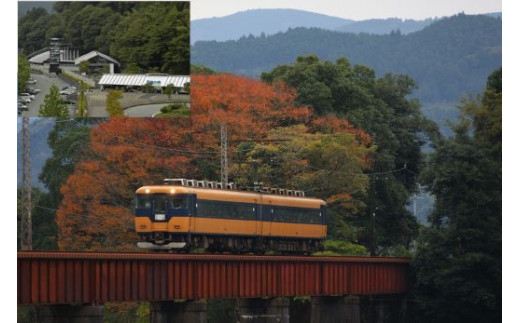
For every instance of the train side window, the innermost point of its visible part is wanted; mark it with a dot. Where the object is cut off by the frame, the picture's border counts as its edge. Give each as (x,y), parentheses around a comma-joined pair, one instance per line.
(178,203)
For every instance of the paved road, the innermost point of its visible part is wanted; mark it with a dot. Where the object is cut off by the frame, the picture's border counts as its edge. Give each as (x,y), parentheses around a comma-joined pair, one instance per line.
(135,104)
(44,83)
(147,110)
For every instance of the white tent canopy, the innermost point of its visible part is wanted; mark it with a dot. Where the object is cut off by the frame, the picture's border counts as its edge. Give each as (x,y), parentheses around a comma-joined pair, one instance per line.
(143,79)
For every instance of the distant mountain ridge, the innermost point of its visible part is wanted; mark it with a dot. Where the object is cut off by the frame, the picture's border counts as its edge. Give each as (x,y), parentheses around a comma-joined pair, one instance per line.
(256,22)
(272,21)
(449,58)
(25,6)
(386,26)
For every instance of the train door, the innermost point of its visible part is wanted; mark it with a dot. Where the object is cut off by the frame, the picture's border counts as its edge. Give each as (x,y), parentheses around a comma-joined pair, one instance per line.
(192,211)
(160,207)
(323,213)
(267,209)
(258,216)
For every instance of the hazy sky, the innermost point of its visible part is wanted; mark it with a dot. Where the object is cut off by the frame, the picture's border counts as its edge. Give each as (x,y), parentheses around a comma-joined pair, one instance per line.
(351,9)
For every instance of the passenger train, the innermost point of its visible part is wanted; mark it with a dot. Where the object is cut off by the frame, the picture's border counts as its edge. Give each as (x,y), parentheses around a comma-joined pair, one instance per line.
(185,214)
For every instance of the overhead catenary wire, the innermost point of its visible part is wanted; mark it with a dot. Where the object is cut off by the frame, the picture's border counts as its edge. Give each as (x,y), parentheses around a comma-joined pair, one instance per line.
(143,145)
(210,152)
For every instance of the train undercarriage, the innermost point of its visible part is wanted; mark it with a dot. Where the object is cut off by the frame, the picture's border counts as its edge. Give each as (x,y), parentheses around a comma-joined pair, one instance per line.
(184,243)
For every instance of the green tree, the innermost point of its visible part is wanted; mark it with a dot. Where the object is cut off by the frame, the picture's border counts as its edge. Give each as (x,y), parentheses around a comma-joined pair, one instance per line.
(132,68)
(155,37)
(458,262)
(186,87)
(379,106)
(68,141)
(169,90)
(24,72)
(114,107)
(31,30)
(200,69)
(91,27)
(82,100)
(83,67)
(327,166)
(53,105)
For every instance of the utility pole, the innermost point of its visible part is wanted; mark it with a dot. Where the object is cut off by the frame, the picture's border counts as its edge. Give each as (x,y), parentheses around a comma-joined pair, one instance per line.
(373,209)
(26,189)
(223,154)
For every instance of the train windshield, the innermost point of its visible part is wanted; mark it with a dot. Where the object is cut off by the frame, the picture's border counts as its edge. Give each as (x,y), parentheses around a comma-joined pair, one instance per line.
(143,202)
(160,203)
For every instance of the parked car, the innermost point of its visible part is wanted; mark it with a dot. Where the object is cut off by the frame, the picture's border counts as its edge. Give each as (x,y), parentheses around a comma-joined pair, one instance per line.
(24,99)
(31,81)
(27,95)
(22,107)
(68,90)
(33,91)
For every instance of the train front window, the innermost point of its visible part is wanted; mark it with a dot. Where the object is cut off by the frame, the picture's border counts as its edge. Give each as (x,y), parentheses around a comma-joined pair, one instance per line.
(143,202)
(160,203)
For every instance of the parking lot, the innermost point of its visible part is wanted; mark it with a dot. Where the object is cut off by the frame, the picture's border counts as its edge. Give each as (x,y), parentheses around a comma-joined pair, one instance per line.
(136,104)
(44,83)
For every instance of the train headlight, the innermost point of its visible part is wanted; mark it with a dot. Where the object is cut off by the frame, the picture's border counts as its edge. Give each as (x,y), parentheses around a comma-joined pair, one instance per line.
(160,217)
(172,191)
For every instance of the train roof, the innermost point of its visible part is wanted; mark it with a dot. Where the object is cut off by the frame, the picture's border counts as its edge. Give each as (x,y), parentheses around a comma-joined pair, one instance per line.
(234,196)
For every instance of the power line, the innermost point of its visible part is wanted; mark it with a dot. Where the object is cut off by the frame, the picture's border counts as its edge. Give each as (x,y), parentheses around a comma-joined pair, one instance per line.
(223,154)
(205,152)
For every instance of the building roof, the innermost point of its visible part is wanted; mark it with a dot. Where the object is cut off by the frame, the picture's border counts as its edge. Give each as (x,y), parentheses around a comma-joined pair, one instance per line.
(40,58)
(142,79)
(44,56)
(39,51)
(93,54)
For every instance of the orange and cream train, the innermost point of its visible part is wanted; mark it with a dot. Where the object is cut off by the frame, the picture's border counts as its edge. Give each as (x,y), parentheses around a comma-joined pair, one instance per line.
(185,214)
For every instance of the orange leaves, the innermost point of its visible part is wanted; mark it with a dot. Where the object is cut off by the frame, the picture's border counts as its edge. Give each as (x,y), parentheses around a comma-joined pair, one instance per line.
(97,209)
(249,108)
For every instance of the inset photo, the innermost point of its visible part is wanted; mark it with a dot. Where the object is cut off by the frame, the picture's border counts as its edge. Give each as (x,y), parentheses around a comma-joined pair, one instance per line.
(103,59)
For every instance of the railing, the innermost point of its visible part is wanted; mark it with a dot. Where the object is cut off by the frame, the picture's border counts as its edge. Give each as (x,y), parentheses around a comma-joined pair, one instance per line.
(95,278)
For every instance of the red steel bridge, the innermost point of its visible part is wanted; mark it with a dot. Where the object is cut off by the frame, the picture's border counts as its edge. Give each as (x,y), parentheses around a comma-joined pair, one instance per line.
(94,278)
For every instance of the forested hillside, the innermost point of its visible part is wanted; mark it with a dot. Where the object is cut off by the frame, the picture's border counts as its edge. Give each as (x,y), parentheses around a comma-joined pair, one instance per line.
(153,36)
(458,271)
(447,59)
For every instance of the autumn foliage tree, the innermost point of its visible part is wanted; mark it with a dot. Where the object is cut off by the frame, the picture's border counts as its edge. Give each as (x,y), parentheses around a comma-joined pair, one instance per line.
(325,165)
(249,108)
(126,153)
